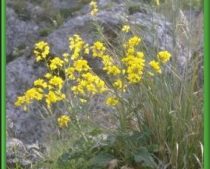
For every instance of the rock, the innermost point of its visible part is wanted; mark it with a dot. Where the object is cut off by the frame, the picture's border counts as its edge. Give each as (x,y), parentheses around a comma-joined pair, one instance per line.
(22,155)
(112,19)
(83,25)
(20,75)
(63,4)
(20,35)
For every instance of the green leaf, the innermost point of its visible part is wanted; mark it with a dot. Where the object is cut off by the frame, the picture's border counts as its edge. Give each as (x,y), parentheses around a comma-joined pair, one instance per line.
(95,132)
(101,160)
(144,158)
(64,160)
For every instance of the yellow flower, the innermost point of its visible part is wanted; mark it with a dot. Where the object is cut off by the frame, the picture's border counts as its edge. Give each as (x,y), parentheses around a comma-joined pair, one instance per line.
(56,63)
(118,84)
(33,94)
(76,44)
(109,66)
(157,2)
(78,89)
(56,81)
(155,65)
(70,73)
(126,28)
(112,101)
(89,77)
(107,60)
(98,49)
(134,41)
(83,100)
(100,85)
(140,54)
(130,51)
(48,75)
(20,101)
(29,96)
(135,65)
(86,49)
(66,57)
(53,97)
(164,56)
(63,121)
(113,70)
(81,65)
(41,50)
(89,84)
(94,8)
(134,78)
(41,83)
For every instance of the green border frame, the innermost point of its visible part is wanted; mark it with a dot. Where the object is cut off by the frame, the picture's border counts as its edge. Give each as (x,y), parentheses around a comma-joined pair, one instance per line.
(3,84)
(206,84)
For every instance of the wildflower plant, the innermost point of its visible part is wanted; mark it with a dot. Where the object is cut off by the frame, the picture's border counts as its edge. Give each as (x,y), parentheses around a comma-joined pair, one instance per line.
(129,69)
(124,73)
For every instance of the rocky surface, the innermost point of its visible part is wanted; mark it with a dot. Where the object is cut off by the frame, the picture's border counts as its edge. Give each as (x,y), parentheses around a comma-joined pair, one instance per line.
(28,21)
(20,35)
(22,155)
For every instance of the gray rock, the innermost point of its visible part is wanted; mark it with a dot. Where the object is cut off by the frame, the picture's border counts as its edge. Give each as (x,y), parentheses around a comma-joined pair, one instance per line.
(84,25)
(20,35)
(20,75)
(63,4)
(22,155)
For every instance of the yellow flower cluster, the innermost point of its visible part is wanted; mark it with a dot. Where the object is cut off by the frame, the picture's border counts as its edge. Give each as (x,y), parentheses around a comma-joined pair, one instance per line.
(134,61)
(157,2)
(87,83)
(126,28)
(54,97)
(133,42)
(56,82)
(121,73)
(56,63)
(66,57)
(48,89)
(93,7)
(118,84)
(63,121)
(112,101)
(155,65)
(33,94)
(77,46)
(81,65)
(40,83)
(164,56)
(41,50)
(70,72)
(99,50)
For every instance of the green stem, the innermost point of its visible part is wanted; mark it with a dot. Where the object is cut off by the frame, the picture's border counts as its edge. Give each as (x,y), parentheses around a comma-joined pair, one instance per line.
(81,132)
